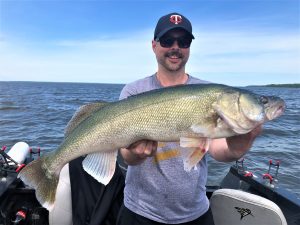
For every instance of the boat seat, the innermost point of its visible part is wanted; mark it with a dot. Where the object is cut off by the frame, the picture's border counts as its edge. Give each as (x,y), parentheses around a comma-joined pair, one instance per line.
(234,207)
(61,214)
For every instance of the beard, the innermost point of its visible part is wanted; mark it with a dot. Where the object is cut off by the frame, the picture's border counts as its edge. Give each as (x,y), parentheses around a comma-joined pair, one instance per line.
(173,54)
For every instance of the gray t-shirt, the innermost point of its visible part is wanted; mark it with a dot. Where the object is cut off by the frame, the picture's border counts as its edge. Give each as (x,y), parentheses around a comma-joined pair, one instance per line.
(159,188)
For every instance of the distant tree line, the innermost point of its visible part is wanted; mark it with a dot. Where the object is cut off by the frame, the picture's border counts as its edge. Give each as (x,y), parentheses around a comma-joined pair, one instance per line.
(284,85)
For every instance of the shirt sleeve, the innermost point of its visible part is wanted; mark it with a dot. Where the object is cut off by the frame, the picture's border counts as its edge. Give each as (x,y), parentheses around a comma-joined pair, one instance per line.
(128,90)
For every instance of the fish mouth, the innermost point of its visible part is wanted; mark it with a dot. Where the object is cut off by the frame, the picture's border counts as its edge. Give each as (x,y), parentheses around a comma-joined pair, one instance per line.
(276,113)
(275,109)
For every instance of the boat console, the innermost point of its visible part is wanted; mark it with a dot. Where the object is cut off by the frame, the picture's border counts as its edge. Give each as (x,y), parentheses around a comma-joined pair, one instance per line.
(18,204)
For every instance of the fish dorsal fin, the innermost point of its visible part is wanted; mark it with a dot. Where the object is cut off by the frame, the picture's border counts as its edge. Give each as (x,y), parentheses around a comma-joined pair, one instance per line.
(81,114)
(101,165)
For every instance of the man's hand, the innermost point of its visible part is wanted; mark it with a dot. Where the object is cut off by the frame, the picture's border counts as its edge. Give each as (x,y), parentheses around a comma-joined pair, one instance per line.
(239,145)
(233,148)
(137,152)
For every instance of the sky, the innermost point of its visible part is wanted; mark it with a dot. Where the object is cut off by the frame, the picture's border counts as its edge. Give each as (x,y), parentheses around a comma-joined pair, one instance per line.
(237,42)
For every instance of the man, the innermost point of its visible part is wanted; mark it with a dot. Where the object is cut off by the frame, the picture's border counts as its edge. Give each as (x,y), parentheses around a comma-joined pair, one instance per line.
(158,190)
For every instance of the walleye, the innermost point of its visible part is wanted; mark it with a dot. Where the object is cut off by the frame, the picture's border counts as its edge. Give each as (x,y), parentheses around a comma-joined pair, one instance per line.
(190,114)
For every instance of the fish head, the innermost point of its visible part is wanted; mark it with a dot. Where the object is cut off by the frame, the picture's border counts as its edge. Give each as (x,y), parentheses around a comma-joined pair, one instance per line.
(274,106)
(240,110)
(251,106)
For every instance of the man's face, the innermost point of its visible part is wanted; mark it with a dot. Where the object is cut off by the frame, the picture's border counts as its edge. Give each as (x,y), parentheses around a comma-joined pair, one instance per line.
(172,56)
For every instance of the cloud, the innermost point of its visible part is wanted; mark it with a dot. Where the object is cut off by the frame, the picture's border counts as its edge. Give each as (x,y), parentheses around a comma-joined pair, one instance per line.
(98,60)
(129,57)
(235,56)
(261,52)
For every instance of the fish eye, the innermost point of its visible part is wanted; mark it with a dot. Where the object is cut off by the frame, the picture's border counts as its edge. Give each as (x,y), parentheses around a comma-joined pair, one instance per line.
(263,99)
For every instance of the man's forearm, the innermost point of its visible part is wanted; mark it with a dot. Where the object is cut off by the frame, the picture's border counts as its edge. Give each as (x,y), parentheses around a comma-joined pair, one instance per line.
(233,148)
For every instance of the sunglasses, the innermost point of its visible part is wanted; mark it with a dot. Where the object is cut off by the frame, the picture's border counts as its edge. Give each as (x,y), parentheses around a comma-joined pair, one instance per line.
(167,42)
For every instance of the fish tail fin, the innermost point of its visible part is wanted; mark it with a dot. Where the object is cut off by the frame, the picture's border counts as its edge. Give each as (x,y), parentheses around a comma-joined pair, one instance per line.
(45,183)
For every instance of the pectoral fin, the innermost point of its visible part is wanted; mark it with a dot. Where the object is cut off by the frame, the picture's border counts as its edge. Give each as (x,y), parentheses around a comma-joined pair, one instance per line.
(101,165)
(193,151)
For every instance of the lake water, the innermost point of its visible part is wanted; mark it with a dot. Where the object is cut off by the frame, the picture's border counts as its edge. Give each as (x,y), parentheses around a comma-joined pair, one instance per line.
(37,113)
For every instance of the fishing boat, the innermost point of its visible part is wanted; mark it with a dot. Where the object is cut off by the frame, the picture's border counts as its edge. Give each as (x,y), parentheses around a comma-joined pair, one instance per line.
(242,197)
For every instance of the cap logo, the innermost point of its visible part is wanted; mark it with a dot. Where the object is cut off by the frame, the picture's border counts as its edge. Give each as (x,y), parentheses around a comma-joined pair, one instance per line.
(176,19)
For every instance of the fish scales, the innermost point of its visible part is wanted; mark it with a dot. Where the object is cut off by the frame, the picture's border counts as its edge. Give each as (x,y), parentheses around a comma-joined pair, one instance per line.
(169,114)
(162,111)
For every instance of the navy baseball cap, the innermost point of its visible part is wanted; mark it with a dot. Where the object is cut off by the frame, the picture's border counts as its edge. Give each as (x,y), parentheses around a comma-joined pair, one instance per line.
(170,22)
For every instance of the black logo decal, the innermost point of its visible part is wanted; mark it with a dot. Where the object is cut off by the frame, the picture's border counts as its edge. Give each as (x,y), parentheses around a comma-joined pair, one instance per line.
(244,212)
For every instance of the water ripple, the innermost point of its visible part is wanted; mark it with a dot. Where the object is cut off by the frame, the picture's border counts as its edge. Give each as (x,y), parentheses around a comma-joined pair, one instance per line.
(38,113)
